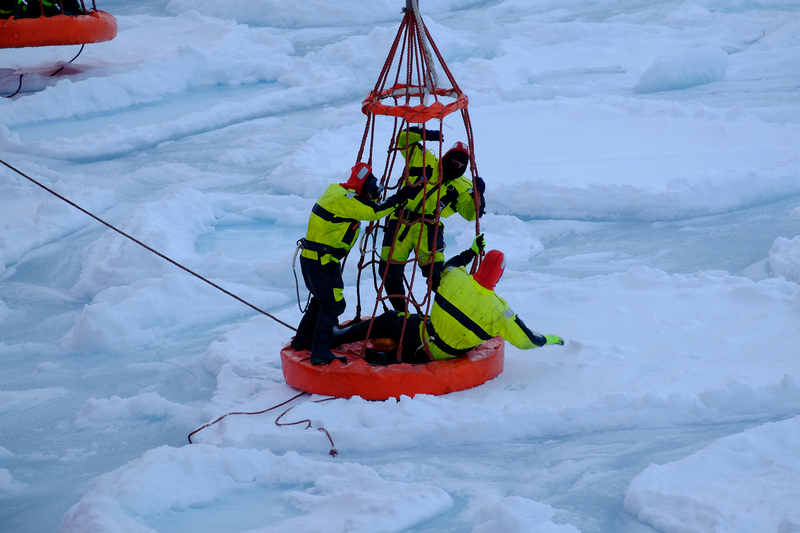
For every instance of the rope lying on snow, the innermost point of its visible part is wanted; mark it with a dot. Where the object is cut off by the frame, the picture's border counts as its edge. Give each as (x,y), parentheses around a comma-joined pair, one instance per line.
(243,413)
(333,451)
(51,75)
(198,276)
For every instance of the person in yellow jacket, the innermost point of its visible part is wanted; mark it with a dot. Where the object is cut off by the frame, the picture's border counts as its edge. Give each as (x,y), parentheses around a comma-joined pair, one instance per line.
(426,239)
(333,228)
(466,312)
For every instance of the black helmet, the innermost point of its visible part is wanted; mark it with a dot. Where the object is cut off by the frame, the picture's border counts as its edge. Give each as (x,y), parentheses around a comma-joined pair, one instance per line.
(455,161)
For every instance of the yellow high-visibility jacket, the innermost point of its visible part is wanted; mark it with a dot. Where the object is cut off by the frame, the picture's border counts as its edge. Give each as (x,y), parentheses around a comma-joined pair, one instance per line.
(335,221)
(465,314)
(410,145)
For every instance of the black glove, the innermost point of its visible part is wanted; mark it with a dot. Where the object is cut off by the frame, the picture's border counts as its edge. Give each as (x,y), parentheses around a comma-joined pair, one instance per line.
(428,135)
(407,192)
(449,197)
(434,135)
(419,171)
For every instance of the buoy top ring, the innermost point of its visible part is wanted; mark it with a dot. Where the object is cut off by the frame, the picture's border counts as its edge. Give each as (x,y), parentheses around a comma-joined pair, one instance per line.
(413,114)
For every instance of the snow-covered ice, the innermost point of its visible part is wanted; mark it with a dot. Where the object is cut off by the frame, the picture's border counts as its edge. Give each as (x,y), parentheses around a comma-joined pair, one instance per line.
(715,489)
(643,179)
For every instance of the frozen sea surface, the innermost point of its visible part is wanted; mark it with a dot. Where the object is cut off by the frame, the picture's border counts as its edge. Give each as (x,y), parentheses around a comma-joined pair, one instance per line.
(642,179)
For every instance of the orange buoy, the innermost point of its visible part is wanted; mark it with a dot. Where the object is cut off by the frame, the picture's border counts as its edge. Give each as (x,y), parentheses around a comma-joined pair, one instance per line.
(94,27)
(420,97)
(378,382)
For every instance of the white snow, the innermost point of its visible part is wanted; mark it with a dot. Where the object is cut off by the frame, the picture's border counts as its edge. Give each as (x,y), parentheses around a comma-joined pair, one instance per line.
(682,71)
(146,406)
(15,401)
(332,497)
(745,482)
(517,515)
(643,179)
(8,486)
(784,258)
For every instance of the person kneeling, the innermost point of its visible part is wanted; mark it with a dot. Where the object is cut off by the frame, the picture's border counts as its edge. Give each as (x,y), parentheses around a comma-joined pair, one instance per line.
(466,312)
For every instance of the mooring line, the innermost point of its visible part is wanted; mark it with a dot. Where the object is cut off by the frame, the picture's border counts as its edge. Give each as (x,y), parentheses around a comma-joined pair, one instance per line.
(146,247)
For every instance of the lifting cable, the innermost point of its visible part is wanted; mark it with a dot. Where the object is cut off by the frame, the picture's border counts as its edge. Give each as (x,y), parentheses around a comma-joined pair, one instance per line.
(140,243)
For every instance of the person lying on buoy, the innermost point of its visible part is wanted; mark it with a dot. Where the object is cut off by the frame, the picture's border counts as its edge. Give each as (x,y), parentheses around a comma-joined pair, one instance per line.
(466,312)
(333,228)
(7,8)
(456,197)
(31,9)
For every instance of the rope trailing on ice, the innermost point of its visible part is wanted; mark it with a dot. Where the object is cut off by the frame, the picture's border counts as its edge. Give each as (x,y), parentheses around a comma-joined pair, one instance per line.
(67,63)
(51,75)
(243,413)
(332,453)
(159,254)
(12,95)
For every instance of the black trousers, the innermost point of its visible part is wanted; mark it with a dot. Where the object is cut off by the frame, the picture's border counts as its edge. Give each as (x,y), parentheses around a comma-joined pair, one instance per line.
(395,284)
(389,325)
(394,277)
(34,10)
(325,284)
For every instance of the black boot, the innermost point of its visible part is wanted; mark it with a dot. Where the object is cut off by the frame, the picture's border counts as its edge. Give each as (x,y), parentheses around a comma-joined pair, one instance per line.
(325,357)
(383,358)
(323,334)
(351,333)
(299,344)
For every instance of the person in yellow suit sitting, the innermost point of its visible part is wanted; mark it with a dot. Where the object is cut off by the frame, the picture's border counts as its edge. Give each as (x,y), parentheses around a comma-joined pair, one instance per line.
(466,312)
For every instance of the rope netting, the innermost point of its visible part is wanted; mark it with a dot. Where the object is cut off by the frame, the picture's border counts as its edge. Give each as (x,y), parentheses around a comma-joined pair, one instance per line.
(408,91)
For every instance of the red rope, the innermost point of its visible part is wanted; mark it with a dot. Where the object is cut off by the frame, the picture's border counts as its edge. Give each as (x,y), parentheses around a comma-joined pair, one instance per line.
(243,413)
(333,452)
(412,59)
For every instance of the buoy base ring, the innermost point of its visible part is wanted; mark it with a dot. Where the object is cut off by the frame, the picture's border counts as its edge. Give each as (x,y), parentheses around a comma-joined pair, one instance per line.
(377,382)
(58,30)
